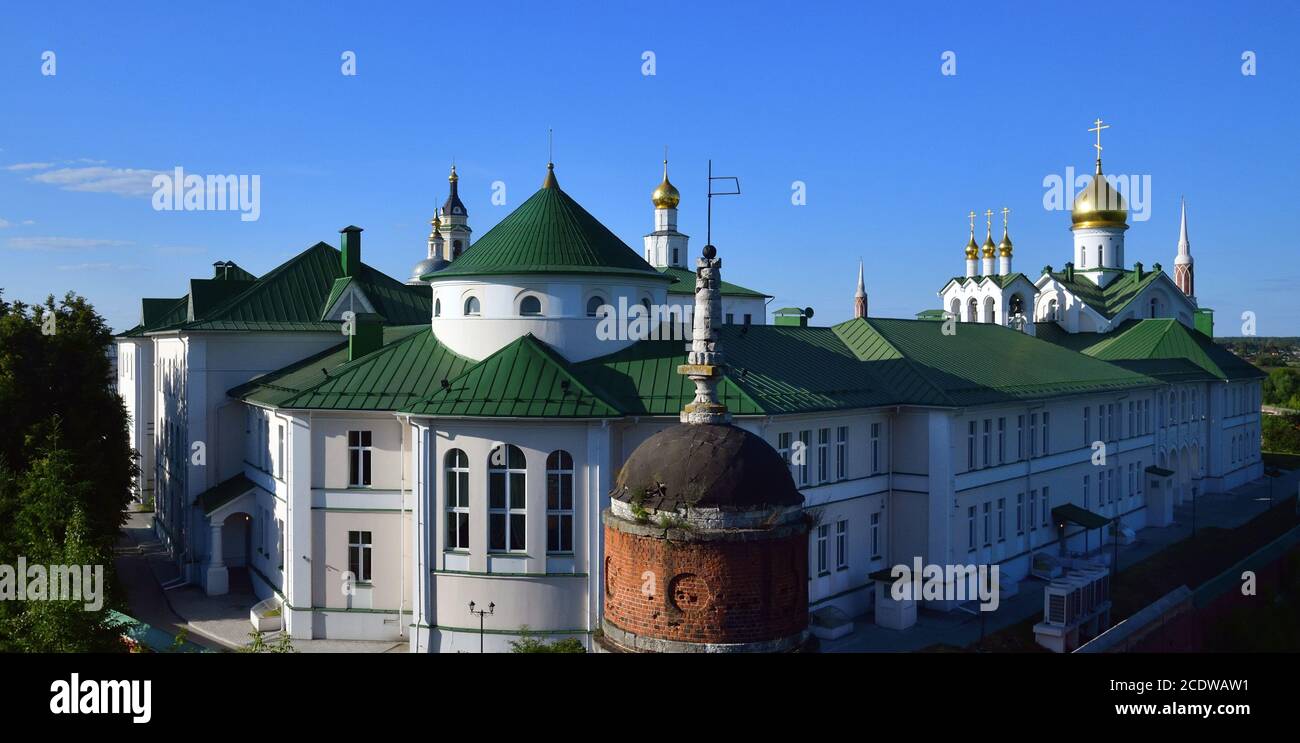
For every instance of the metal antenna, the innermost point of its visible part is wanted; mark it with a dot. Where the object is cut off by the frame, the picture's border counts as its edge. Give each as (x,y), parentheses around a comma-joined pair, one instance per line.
(708,239)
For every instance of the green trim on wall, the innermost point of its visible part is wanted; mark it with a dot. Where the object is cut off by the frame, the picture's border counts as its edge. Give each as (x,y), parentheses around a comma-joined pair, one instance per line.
(517,632)
(474,573)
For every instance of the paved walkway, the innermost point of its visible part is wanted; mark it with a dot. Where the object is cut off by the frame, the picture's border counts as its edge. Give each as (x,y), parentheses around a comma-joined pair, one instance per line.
(216,622)
(961,629)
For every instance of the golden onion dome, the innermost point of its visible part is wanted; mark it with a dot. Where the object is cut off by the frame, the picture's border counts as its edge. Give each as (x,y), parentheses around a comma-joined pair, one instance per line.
(665,196)
(972,249)
(989,246)
(1004,247)
(1099,205)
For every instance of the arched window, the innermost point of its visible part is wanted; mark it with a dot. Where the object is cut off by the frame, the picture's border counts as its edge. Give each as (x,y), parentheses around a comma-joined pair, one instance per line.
(471,307)
(530,306)
(1083,257)
(646,304)
(955,309)
(1100,262)
(1017,305)
(507,491)
(1154,306)
(455,496)
(456,247)
(437,308)
(559,502)
(972,310)
(990,310)
(1052,309)
(594,304)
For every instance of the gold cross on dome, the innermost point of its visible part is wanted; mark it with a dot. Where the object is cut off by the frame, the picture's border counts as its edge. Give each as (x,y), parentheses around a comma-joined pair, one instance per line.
(972,223)
(1005,212)
(1097,127)
(988,217)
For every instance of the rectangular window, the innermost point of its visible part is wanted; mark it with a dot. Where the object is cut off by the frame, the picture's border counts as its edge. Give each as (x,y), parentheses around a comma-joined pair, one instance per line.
(359,552)
(805,439)
(842,544)
(1002,519)
(731,319)
(1101,423)
(1020,513)
(1002,440)
(507,487)
(1047,506)
(875,536)
(875,448)
(1020,437)
(783,448)
(841,452)
(988,523)
(279,460)
(1139,477)
(1087,426)
(986,443)
(1047,433)
(823,533)
(1146,407)
(1033,435)
(970,527)
(559,502)
(358,458)
(456,489)
(1132,488)
(823,454)
(748,318)
(970,446)
(1033,510)
(1131,418)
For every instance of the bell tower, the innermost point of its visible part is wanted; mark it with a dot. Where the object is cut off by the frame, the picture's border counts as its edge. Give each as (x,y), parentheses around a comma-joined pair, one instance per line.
(666,247)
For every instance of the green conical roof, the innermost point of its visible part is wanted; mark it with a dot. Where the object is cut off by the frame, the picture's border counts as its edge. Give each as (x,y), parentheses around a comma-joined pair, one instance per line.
(550,233)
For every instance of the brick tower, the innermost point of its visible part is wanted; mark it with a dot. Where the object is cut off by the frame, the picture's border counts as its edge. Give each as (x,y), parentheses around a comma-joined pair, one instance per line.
(706,540)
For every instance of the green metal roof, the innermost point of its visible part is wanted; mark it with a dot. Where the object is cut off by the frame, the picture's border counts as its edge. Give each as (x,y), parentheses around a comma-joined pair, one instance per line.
(1115,296)
(408,367)
(1168,340)
(686,285)
(293,297)
(549,233)
(1002,280)
(526,378)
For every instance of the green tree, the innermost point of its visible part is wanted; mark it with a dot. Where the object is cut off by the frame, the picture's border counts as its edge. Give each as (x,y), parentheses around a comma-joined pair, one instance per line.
(66,466)
(1281,433)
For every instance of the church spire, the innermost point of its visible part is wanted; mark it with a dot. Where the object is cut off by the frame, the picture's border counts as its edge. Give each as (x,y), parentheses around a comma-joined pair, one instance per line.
(860,297)
(1184,271)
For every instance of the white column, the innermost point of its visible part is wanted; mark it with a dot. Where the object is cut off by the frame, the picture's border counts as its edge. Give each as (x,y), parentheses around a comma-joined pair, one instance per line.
(218,582)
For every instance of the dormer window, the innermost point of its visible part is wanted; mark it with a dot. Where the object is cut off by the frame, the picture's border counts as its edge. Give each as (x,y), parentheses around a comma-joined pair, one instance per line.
(594,304)
(471,307)
(530,306)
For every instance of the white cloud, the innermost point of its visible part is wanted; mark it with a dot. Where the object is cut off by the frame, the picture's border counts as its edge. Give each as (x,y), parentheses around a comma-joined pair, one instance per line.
(47,244)
(98,179)
(99,267)
(4,223)
(179,249)
(29,166)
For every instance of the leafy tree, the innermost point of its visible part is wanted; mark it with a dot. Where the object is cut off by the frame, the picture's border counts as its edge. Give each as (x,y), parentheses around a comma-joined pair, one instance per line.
(1281,433)
(530,643)
(66,465)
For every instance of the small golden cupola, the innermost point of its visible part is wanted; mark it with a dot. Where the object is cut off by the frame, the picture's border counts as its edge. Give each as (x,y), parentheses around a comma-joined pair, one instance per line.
(972,247)
(989,247)
(1004,247)
(665,195)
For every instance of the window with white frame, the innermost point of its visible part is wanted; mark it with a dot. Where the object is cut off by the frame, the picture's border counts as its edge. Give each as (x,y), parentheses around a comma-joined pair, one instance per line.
(783,443)
(988,523)
(456,498)
(841,452)
(1087,426)
(1047,433)
(842,544)
(279,459)
(1002,440)
(359,555)
(875,448)
(1033,435)
(970,446)
(823,537)
(471,307)
(875,536)
(530,306)
(559,502)
(359,456)
(805,440)
(1033,509)
(507,493)
(1047,506)
(1020,513)
(986,443)
(1002,519)
(1020,437)
(823,454)
(970,528)
(1087,484)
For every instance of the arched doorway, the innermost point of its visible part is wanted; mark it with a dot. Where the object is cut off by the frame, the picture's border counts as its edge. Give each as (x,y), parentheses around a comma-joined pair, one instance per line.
(990,310)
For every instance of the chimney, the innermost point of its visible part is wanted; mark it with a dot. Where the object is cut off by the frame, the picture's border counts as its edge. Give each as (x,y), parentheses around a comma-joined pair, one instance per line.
(1069,271)
(220,270)
(350,247)
(367,335)
(1137,269)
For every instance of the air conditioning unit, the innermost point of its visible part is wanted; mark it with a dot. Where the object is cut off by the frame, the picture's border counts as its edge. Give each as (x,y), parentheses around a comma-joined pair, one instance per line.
(1075,604)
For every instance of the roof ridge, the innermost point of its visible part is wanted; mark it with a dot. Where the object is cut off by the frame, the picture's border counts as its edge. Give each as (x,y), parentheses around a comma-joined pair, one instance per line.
(916,368)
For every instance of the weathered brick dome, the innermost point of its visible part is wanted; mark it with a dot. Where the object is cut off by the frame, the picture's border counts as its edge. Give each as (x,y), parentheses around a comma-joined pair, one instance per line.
(706,466)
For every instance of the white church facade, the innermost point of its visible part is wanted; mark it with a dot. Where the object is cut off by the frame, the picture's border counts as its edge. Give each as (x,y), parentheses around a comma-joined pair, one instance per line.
(374,454)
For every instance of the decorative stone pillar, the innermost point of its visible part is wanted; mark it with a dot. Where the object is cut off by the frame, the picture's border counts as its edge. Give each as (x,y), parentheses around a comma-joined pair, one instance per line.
(705,363)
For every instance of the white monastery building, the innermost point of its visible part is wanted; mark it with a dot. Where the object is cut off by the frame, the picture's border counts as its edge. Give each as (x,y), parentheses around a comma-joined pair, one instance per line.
(372,454)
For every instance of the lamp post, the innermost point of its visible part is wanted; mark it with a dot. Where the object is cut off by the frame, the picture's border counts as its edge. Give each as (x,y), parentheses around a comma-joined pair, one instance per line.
(481,613)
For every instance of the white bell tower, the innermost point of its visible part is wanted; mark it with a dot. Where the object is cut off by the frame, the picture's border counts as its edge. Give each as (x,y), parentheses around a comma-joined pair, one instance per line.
(666,247)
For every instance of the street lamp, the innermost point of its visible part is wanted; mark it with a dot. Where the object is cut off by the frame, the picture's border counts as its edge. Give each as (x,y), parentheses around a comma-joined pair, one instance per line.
(481,613)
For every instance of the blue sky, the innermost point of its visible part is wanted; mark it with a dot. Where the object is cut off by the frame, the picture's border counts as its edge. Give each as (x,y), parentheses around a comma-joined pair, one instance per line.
(847,98)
